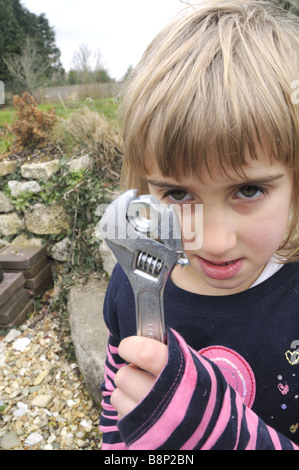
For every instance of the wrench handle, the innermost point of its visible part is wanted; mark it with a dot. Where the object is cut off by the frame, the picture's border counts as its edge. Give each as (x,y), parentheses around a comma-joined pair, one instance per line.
(150,315)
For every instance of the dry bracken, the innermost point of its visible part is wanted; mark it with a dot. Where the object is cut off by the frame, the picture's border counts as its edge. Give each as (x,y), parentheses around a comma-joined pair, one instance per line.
(31,126)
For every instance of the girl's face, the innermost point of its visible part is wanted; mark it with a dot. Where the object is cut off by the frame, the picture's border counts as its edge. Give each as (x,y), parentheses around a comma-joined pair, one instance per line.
(244,222)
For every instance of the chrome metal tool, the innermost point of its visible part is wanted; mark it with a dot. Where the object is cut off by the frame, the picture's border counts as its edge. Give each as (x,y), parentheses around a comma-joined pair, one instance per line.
(145,236)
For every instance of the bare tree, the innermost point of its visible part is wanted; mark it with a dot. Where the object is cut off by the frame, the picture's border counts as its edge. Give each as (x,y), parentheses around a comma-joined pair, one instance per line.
(81,59)
(86,62)
(28,67)
(97,60)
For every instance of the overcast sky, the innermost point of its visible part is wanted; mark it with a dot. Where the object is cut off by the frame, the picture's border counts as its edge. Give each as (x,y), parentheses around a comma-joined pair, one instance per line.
(121,29)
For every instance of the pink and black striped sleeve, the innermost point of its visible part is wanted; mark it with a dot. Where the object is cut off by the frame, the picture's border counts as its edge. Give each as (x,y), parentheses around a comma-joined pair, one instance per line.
(109,419)
(191,406)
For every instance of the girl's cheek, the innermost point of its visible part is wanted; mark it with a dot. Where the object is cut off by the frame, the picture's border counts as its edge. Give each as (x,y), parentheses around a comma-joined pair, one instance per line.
(265,234)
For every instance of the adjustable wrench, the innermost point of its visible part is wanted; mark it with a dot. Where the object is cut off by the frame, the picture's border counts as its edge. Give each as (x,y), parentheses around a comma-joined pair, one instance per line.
(145,237)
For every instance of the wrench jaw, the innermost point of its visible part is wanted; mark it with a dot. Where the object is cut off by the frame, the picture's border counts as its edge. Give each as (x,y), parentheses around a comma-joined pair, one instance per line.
(147,252)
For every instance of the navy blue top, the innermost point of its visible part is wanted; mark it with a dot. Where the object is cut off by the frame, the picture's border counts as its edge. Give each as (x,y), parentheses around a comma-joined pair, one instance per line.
(253,337)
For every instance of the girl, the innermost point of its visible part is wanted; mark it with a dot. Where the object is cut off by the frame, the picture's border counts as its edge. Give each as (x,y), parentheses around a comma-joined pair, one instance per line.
(209,119)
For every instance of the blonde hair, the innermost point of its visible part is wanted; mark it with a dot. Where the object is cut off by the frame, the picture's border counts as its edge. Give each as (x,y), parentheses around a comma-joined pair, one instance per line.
(215,84)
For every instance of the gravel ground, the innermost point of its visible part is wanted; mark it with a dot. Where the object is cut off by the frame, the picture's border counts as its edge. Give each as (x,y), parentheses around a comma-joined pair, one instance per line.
(43,401)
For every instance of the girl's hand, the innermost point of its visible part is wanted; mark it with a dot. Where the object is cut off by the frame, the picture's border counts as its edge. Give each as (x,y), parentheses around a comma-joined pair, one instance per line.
(147,358)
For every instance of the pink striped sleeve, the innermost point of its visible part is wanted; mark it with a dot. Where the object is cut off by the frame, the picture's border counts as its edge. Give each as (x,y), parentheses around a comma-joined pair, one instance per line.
(172,411)
(275,439)
(117,446)
(252,420)
(191,406)
(221,424)
(109,417)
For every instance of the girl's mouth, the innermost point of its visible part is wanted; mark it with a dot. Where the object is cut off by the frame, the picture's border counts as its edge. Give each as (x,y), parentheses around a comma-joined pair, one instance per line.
(220,270)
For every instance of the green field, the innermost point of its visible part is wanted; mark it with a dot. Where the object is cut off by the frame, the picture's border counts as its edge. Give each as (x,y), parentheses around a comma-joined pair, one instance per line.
(6,115)
(108,107)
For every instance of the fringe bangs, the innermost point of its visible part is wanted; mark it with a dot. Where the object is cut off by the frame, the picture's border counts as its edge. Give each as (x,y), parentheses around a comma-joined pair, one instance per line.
(214,86)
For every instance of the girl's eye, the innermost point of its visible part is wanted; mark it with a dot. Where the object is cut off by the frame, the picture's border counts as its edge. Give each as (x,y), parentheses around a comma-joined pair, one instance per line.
(250,192)
(177,195)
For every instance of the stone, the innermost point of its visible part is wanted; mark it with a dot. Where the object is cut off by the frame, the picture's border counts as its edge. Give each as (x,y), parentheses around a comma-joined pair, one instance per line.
(86,425)
(21,410)
(42,401)
(71,403)
(11,224)
(61,250)
(89,332)
(5,204)
(23,240)
(39,379)
(17,187)
(63,382)
(33,439)
(48,447)
(81,443)
(21,344)
(9,441)
(47,220)
(12,335)
(40,170)
(107,257)
(8,167)
(81,163)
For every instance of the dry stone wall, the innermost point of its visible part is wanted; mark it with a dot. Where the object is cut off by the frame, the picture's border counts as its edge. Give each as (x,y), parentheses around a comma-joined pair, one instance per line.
(38,220)
(35,225)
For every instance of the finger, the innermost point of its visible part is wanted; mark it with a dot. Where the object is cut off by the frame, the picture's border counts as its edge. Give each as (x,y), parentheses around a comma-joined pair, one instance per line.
(122,403)
(134,382)
(146,353)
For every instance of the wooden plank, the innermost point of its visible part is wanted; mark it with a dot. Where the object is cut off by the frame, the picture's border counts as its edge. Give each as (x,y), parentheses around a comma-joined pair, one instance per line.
(41,282)
(32,283)
(13,310)
(11,282)
(21,316)
(16,258)
(13,299)
(45,285)
(31,272)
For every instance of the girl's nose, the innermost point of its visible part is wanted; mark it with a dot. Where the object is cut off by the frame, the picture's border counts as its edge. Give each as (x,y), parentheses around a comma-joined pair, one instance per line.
(219,234)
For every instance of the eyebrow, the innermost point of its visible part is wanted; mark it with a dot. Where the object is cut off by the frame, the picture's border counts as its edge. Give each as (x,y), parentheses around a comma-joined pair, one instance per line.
(260,181)
(254,181)
(162,184)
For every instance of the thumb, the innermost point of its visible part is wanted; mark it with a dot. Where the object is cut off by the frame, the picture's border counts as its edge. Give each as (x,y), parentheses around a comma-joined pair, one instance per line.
(146,353)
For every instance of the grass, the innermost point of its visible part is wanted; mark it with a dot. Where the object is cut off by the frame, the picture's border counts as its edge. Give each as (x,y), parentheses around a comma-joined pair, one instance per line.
(107,106)
(98,135)
(6,115)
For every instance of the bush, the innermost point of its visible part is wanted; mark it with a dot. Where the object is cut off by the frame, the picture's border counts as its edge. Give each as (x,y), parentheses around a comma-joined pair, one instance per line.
(31,127)
(89,131)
